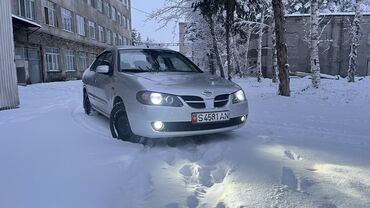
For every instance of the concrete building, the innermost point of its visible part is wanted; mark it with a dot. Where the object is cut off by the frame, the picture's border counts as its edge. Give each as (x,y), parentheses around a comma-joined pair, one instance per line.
(334,46)
(57,39)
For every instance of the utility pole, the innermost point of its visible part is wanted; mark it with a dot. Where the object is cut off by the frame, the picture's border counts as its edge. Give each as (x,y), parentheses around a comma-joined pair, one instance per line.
(8,76)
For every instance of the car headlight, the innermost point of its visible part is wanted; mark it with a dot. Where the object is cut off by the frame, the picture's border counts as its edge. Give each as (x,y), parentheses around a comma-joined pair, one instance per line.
(239,97)
(158,99)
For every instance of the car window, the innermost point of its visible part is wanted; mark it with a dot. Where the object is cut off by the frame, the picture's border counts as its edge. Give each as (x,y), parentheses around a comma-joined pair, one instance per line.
(149,60)
(107,59)
(97,62)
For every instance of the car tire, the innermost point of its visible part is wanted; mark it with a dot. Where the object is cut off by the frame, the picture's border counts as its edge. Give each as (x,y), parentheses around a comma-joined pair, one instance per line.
(120,125)
(87,104)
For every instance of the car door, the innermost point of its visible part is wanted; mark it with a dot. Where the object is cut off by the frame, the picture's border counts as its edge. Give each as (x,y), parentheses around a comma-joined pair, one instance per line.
(89,79)
(103,83)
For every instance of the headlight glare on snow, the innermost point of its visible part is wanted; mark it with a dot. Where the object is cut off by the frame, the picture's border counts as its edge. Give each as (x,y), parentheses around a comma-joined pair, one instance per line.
(158,99)
(239,96)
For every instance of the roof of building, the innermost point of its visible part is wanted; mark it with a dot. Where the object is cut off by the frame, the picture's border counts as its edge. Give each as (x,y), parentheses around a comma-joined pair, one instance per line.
(328,14)
(25,22)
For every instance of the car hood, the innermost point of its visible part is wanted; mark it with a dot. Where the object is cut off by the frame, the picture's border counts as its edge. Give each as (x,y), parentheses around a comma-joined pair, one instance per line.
(182,83)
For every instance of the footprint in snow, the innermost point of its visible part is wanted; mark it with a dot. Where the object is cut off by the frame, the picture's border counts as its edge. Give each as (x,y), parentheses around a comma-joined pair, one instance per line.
(172,205)
(221,205)
(205,176)
(292,155)
(289,179)
(192,201)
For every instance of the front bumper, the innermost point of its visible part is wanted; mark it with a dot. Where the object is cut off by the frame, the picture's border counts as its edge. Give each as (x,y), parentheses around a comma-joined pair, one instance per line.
(177,120)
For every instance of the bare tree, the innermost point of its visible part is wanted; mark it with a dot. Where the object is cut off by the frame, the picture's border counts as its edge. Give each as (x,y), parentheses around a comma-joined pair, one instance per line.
(356,27)
(274,52)
(282,53)
(259,47)
(215,49)
(315,38)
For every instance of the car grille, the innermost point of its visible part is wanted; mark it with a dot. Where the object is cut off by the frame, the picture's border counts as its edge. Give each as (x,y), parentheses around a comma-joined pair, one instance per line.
(188,126)
(194,101)
(221,100)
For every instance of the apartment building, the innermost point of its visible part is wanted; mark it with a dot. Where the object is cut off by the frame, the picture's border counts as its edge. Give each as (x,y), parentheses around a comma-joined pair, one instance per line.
(56,40)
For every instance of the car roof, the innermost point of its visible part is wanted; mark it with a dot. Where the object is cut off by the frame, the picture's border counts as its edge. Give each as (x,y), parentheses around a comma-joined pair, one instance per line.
(137,48)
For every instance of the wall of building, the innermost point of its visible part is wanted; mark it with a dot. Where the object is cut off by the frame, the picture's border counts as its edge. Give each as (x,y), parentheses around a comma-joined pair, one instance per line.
(8,80)
(56,37)
(334,46)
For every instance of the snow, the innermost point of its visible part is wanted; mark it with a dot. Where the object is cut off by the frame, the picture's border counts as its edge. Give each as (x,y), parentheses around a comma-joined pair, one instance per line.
(308,150)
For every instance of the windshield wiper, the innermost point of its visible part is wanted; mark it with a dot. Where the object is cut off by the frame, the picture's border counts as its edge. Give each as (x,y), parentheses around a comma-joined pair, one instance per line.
(138,70)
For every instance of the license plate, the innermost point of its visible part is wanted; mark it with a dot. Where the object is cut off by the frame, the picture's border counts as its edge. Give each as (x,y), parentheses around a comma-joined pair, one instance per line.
(210,117)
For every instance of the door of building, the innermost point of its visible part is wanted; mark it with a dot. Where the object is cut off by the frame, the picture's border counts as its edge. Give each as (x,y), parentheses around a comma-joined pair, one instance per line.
(34,66)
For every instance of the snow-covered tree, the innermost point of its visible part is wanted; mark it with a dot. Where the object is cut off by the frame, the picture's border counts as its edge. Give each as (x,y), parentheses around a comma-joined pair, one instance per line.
(297,6)
(209,10)
(259,47)
(274,52)
(315,37)
(352,67)
(135,37)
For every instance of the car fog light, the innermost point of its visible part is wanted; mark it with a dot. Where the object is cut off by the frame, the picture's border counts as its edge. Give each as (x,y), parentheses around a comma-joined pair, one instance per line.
(158,125)
(243,119)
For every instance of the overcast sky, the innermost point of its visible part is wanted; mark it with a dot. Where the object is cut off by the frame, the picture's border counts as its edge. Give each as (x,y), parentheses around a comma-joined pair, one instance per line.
(149,28)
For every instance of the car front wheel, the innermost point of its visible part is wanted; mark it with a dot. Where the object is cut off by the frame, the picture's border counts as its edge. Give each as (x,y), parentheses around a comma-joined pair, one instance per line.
(120,125)
(87,105)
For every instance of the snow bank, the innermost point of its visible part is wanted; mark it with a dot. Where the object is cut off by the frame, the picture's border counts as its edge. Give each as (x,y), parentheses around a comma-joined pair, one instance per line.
(308,150)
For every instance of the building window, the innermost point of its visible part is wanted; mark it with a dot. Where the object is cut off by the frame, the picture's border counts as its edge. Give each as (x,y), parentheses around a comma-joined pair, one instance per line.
(119,40)
(66,20)
(80,25)
(114,17)
(101,34)
(115,39)
(106,9)
(91,58)
(119,18)
(92,30)
(52,59)
(99,5)
(128,23)
(27,8)
(49,12)
(91,3)
(109,36)
(69,60)
(124,22)
(83,61)
(125,3)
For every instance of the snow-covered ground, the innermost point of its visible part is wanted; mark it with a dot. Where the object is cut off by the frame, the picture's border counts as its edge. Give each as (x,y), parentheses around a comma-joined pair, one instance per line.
(309,150)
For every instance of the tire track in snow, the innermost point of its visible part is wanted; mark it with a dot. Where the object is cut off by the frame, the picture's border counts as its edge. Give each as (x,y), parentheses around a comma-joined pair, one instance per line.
(90,123)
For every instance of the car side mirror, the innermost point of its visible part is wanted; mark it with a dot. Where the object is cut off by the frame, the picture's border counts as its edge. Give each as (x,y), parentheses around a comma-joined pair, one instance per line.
(102,69)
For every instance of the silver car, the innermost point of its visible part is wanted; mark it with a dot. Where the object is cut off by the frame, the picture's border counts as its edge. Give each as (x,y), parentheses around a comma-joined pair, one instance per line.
(156,93)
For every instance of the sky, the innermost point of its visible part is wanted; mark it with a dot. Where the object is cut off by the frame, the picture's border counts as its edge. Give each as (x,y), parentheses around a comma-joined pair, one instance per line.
(149,29)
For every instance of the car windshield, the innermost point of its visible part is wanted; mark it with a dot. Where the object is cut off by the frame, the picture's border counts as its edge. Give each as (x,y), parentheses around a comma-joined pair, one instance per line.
(150,60)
